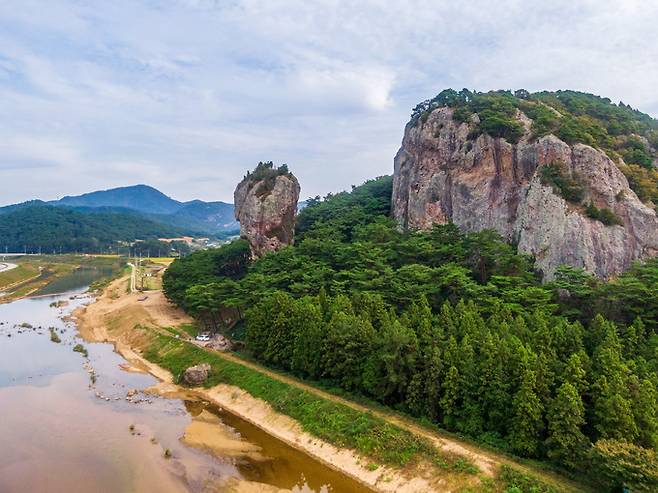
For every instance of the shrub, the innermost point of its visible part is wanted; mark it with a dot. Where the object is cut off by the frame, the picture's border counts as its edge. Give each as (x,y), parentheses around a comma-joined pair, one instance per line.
(79,348)
(461,114)
(635,152)
(604,215)
(497,125)
(556,176)
(516,481)
(53,336)
(644,182)
(617,463)
(544,120)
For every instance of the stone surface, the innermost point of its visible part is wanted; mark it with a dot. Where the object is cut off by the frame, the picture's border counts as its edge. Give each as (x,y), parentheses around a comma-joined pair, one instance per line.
(218,342)
(442,174)
(196,375)
(266,210)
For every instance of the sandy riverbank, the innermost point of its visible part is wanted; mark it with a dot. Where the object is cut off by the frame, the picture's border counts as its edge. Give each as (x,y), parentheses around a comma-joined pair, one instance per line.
(118,317)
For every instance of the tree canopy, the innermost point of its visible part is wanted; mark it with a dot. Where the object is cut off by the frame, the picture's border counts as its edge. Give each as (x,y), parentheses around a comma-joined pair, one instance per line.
(449,326)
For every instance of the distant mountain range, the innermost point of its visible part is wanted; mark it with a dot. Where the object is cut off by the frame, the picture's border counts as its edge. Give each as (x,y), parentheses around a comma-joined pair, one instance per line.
(97,220)
(196,216)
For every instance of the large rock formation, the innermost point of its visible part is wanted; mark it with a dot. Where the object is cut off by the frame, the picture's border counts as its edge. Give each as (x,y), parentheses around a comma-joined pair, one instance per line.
(445,172)
(266,206)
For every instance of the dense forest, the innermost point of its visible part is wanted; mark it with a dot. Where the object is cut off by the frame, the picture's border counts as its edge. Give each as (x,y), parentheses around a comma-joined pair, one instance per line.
(455,328)
(58,229)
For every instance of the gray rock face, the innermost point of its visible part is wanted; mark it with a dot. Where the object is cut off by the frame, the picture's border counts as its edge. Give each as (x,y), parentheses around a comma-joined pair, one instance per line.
(441,175)
(266,210)
(196,375)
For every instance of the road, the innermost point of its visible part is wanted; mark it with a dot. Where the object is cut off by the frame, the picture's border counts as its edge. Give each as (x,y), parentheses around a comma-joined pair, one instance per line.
(133,277)
(5,266)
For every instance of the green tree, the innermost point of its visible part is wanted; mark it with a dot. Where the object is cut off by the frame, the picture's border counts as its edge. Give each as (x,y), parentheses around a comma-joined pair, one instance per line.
(527,417)
(566,443)
(619,463)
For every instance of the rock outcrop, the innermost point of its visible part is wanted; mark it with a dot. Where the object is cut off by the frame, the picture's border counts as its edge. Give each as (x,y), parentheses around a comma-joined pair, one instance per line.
(266,207)
(196,375)
(445,173)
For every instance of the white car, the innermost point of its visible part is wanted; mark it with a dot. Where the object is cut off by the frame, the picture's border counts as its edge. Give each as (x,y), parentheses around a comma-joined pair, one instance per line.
(203,337)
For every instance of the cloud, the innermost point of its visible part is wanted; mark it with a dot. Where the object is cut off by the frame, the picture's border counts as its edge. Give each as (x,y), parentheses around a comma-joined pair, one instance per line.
(188,94)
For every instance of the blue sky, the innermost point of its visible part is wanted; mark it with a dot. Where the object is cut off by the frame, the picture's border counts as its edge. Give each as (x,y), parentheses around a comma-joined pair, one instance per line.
(186,95)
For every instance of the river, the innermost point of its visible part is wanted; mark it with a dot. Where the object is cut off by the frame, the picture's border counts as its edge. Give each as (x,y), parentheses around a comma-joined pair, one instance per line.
(68,424)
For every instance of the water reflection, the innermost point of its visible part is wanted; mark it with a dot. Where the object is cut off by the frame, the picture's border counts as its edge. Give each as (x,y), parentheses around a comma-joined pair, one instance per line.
(61,431)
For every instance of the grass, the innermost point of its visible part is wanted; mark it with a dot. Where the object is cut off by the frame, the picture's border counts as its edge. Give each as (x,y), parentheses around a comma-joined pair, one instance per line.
(517,481)
(19,274)
(336,423)
(191,329)
(333,422)
(362,400)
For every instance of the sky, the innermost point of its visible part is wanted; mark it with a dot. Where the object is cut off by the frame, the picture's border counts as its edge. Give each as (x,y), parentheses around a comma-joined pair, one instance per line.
(187,95)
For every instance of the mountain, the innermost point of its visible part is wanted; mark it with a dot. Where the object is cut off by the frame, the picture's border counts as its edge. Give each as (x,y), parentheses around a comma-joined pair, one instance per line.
(48,228)
(205,218)
(208,217)
(569,177)
(141,198)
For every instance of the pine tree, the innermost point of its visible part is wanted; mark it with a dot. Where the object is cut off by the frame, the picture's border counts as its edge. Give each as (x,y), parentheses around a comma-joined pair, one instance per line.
(566,415)
(449,402)
(527,423)
(646,414)
(470,414)
(308,328)
(574,373)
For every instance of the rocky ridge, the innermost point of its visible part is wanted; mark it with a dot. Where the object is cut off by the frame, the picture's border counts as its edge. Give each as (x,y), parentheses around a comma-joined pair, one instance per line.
(445,172)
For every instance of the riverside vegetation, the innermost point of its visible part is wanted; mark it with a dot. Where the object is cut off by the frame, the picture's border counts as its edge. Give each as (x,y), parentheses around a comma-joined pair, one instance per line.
(451,327)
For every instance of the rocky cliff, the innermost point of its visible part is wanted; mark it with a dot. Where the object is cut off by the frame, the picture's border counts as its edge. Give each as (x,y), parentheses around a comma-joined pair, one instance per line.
(266,206)
(561,203)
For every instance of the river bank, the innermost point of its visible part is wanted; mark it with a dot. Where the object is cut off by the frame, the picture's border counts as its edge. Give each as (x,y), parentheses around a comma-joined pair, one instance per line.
(145,332)
(119,317)
(79,417)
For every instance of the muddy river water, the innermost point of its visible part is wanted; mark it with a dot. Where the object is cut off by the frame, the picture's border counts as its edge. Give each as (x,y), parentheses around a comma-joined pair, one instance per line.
(68,425)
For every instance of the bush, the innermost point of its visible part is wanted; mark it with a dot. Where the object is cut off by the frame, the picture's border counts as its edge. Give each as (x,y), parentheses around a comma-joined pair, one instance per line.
(555,175)
(53,336)
(461,114)
(516,481)
(496,125)
(635,152)
(604,215)
(617,463)
(644,182)
(79,348)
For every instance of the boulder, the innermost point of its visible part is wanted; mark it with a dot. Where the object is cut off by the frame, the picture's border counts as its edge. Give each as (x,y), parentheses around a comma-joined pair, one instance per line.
(196,375)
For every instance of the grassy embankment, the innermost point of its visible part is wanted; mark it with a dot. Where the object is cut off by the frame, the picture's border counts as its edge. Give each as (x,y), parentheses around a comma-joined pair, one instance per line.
(374,438)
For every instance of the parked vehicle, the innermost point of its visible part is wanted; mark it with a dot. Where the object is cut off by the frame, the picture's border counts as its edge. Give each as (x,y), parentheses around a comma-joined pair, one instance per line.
(203,336)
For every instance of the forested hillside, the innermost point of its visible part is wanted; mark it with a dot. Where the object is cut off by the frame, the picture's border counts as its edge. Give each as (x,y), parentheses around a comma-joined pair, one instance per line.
(47,229)
(452,327)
